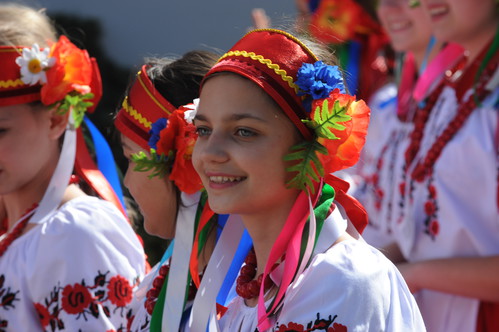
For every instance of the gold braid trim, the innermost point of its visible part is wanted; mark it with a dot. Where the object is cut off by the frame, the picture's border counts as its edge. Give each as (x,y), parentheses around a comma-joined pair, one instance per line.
(11,83)
(135,114)
(275,67)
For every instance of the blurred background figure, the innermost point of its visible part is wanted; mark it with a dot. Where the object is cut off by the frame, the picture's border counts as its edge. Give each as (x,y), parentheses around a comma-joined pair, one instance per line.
(446,222)
(393,108)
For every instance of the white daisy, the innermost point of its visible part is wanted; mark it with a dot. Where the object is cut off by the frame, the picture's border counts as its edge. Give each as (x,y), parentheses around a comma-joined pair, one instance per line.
(33,63)
(193,109)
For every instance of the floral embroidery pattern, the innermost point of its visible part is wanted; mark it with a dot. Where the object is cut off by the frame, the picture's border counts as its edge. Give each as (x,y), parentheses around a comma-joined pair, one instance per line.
(432,226)
(7,301)
(319,324)
(84,300)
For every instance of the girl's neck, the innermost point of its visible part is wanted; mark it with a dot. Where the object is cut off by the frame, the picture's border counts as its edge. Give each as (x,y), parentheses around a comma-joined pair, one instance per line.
(424,56)
(264,228)
(475,45)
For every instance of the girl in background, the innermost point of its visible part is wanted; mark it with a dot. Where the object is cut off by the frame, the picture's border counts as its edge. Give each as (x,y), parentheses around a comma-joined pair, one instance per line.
(68,261)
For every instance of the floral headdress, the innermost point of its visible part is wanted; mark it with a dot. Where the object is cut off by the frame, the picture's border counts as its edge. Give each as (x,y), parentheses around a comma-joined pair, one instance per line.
(333,124)
(65,78)
(167,133)
(61,76)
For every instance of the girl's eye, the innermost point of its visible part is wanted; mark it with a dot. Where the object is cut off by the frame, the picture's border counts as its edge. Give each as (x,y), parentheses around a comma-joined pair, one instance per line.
(202,131)
(243,132)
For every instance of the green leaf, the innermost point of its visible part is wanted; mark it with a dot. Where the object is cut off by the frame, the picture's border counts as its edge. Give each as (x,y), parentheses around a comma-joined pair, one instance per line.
(158,165)
(327,119)
(308,167)
(79,103)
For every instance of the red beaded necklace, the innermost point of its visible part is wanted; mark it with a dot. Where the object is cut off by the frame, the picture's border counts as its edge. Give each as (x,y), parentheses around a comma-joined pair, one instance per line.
(423,168)
(153,293)
(16,231)
(246,286)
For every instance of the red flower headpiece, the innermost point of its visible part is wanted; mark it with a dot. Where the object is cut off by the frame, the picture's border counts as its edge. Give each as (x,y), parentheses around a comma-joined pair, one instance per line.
(337,21)
(171,144)
(143,106)
(311,94)
(62,76)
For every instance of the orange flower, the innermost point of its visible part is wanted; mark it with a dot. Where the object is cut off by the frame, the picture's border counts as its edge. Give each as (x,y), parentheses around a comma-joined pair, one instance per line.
(335,21)
(344,151)
(71,72)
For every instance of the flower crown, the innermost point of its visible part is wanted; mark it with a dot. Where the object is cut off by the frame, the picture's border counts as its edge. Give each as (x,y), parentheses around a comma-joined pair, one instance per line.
(338,122)
(69,78)
(171,145)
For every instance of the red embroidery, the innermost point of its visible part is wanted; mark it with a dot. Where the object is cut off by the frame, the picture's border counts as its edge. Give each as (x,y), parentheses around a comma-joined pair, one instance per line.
(43,314)
(318,325)
(75,299)
(120,291)
(432,226)
(84,299)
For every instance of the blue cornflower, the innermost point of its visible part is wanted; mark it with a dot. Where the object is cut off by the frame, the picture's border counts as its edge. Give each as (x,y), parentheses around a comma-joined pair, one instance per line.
(318,80)
(156,128)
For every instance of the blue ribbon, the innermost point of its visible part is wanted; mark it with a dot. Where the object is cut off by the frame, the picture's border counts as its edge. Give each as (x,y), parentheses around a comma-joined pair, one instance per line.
(105,159)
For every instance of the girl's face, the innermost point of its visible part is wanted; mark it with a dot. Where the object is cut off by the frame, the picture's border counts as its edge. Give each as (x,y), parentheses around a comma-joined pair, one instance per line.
(156,197)
(243,137)
(462,20)
(29,147)
(409,28)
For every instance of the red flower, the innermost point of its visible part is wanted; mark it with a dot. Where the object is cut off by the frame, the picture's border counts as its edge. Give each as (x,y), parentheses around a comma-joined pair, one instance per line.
(71,72)
(180,137)
(338,21)
(75,298)
(120,291)
(292,327)
(43,314)
(344,151)
(337,328)
(434,227)
(429,208)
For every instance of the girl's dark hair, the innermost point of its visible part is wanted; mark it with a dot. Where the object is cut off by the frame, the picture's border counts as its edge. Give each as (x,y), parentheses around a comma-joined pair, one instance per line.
(178,80)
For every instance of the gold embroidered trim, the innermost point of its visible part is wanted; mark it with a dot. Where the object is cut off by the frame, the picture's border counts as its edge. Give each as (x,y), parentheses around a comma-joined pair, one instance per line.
(11,83)
(275,67)
(135,114)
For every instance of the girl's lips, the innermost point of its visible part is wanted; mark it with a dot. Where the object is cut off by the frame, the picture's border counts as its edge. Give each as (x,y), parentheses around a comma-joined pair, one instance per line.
(399,25)
(224,181)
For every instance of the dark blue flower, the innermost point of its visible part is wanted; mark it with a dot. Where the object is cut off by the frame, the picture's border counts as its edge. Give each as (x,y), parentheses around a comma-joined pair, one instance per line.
(156,128)
(319,79)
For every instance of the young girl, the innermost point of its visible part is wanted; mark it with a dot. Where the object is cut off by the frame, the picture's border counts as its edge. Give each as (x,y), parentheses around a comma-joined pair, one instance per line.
(165,184)
(408,26)
(68,261)
(273,123)
(449,223)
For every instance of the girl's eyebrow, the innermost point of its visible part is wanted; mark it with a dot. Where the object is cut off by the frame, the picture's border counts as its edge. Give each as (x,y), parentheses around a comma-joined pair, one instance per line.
(233,117)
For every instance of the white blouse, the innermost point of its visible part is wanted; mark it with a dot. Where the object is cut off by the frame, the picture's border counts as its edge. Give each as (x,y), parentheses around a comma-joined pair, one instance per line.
(74,272)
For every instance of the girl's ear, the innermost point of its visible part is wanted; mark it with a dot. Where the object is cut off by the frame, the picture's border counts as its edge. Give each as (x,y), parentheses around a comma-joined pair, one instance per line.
(58,123)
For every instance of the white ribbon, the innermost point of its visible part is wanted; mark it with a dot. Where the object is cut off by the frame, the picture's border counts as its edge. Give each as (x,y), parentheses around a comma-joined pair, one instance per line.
(179,267)
(60,179)
(220,261)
